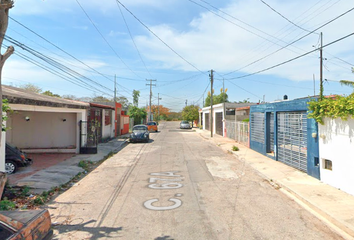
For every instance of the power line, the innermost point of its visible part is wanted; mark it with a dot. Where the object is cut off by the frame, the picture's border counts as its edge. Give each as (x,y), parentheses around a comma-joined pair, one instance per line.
(174,51)
(131,37)
(106,39)
(52,62)
(46,40)
(292,59)
(284,17)
(325,24)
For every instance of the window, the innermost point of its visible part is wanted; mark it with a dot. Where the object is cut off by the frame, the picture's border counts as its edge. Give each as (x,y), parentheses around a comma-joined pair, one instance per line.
(327,164)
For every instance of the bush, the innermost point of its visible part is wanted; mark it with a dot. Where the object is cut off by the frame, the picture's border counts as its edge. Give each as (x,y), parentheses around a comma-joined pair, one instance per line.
(6,205)
(235,148)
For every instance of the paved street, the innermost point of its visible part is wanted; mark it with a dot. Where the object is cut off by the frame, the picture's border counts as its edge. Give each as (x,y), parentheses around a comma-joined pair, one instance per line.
(179,186)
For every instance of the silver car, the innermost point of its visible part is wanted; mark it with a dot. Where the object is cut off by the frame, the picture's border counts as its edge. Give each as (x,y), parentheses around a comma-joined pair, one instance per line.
(185,125)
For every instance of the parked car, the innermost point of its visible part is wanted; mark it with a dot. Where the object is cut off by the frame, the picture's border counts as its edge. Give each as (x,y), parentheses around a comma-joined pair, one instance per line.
(185,125)
(152,126)
(140,134)
(15,158)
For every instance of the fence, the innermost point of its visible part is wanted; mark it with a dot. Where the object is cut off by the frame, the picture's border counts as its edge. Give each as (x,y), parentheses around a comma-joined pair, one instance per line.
(238,131)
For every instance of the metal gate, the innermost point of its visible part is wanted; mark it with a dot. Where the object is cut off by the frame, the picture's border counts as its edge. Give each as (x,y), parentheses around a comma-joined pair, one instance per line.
(207,122)
(292,139)
(257,123)
(88,137)
(218,123)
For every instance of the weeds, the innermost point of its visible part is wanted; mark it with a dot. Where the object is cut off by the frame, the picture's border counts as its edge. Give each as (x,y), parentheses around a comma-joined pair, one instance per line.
(6,205)
(235,148)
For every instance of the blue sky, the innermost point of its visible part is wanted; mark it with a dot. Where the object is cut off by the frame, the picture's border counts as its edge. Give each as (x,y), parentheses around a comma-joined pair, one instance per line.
(180,42)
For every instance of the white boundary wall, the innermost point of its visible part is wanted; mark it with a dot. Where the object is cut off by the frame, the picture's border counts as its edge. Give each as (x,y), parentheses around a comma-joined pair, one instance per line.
(336,143)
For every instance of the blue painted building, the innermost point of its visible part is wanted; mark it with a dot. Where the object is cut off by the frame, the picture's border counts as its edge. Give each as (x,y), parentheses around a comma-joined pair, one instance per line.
(282,131)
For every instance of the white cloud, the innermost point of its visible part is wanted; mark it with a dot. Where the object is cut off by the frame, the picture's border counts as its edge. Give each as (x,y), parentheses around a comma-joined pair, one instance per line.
(211,42)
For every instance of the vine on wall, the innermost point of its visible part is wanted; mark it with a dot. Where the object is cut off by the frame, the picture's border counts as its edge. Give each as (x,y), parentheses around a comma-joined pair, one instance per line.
(337,107)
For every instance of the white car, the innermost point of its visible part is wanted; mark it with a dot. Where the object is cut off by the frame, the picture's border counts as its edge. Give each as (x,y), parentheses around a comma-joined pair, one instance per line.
(185,125)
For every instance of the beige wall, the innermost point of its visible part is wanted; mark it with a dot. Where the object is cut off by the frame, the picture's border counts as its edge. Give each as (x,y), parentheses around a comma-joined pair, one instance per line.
(43,130)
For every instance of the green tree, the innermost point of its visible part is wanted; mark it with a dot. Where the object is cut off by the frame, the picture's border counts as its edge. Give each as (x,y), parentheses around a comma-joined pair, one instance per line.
(101,99)
(136,95)
(137,113)
(190,113)
(31,87)
(49,93)
(222,97)
(124,101)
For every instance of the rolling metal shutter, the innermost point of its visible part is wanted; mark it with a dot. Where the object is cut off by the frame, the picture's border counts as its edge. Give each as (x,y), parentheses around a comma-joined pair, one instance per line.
(257,127)
(207,121)
(218,123)
(292,139)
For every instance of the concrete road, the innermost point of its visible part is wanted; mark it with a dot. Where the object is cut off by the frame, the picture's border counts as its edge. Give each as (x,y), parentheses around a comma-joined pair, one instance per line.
(179,186)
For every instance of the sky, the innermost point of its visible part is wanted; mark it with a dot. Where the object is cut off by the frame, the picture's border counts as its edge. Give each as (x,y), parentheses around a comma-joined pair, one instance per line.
(260,50)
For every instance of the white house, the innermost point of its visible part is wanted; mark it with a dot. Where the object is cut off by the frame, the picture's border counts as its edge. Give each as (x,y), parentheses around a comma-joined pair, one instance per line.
(40,123)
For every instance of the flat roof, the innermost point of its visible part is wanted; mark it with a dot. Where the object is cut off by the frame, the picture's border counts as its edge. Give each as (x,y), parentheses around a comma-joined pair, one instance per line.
(21,96)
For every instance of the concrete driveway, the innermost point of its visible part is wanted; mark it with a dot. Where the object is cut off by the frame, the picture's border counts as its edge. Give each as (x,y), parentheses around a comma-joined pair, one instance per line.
(40,161)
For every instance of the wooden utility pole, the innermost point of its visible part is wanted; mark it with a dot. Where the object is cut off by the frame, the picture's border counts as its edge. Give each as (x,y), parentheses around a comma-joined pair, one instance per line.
(321,70)
(5,6)
(211,102)
(150,84)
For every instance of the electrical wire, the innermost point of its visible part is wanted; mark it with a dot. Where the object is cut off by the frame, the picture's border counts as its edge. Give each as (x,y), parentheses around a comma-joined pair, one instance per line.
(285,17)
(46,40)
(144,25)
(292,59)
(325,24)
(110,46)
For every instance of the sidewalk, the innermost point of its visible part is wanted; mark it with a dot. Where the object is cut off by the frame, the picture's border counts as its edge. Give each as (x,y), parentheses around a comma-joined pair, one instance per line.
(64,171)
(331,205)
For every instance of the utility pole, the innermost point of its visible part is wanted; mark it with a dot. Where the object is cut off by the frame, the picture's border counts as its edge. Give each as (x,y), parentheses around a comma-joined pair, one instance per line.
(158,106)
(186,102)
(321,70)
(115,88)
(150,84)
(211,101)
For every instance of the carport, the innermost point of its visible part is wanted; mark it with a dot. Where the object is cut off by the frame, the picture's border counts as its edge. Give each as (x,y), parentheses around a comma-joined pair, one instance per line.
(43,124)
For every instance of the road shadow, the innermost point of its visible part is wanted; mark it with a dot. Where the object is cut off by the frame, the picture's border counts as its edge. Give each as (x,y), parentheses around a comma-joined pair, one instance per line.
(96,232)
(164,238)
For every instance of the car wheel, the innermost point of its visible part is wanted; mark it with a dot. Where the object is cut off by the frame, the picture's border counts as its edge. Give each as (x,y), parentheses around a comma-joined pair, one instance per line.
(10,167)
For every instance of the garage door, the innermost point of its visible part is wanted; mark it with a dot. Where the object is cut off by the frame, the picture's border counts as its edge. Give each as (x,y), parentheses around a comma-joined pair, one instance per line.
(292,139)
(207,121)
(218,123)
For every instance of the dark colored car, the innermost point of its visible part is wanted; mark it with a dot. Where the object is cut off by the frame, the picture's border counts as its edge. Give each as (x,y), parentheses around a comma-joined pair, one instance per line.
(140,134)
(185,125)
(15,158)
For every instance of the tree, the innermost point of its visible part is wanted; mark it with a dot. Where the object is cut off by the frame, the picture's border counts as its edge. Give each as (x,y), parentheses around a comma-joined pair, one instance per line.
(5,6)
(31,87)
(190,113)
(101,99)
(348,82)
(164,112)
(70,97)
(137,113)
(124,101)
(222,97)
(49,93)
(136,95)
(5,108)
(174,116)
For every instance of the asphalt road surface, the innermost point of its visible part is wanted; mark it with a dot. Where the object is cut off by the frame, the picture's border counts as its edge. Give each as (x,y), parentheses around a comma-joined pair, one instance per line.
(179,186)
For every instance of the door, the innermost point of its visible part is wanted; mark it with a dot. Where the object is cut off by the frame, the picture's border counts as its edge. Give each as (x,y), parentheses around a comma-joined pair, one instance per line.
(218,123)
(292,139)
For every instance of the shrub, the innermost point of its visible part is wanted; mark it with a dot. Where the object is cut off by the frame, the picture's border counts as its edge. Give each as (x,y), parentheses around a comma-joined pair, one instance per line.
(235,148)
(6,205)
